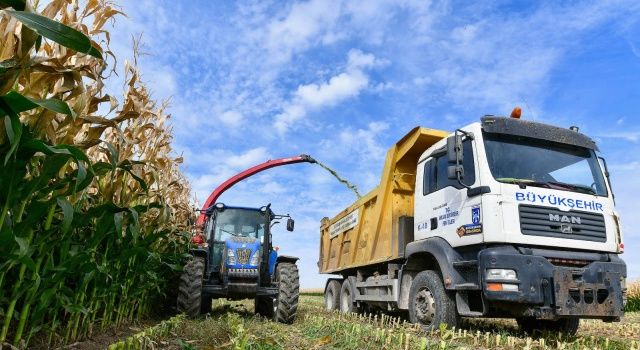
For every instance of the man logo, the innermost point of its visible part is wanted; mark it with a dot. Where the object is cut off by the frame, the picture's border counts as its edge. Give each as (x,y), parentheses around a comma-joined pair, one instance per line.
(565,218)
(564,228)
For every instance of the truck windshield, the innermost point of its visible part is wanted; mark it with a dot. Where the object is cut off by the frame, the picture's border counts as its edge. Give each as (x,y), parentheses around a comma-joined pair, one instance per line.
(532,162)
(233,222)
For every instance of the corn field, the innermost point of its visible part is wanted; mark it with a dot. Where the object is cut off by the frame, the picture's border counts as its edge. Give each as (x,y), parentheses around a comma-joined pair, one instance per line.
(633,297)
(94,206)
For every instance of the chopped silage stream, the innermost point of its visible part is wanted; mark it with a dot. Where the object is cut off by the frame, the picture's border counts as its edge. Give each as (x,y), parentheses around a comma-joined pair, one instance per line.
(232,325)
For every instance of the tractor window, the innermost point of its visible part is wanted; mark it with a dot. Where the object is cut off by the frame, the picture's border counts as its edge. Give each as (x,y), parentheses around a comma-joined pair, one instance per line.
(239,223)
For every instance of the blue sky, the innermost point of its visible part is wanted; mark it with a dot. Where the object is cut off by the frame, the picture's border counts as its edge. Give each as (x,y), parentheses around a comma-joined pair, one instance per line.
(343,81)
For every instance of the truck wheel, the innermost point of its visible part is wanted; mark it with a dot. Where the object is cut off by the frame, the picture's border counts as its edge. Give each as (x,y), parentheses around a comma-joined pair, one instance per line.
(567,326)
(264,306)
(332,295)
(429,303)
(190,300)
(347,294)
(286,304)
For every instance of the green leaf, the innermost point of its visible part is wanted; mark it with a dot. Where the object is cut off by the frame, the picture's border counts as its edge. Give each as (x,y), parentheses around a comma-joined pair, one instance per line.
(58,32)
(140,181)
(8,64)
(20,103)
(23,244)
(13,127)
(16,4)
(117,218)
(38,43)
(54,105)
(113,154)
(67,211)
(135,224)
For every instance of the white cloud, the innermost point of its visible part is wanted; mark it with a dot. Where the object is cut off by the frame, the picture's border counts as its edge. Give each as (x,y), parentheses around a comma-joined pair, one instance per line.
(632,136)
(231,118)
(249,158)
(304,23)
(365,141)
(338,88)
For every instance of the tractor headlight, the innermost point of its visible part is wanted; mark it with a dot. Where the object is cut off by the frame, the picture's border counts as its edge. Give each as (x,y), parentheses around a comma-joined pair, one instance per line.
(231,257)
(255,258)
(501,274)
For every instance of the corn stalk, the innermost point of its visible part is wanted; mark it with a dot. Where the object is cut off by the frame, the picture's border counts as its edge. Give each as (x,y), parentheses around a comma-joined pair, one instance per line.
(93,207)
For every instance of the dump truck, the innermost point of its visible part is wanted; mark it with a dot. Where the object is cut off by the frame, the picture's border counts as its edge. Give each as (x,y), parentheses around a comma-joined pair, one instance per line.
(501,218)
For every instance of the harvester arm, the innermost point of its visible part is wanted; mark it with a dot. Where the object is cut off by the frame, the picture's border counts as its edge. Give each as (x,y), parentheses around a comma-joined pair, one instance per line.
(247,173)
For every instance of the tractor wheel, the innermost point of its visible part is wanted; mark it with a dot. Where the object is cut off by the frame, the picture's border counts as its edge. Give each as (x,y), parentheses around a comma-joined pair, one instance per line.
(264,306)
(332,295)
(567,326)
(286,304)
(190,300)
(429,303)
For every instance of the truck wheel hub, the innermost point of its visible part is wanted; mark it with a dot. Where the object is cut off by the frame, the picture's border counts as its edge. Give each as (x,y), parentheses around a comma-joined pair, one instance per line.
(425,306)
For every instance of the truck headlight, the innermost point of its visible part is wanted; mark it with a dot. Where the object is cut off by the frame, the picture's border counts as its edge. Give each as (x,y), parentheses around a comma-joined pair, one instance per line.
(501,274)
(255,258)
(231,257)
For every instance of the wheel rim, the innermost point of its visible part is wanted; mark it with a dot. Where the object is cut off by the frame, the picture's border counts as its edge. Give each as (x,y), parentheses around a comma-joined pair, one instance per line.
(329,300)
(425,306)
(345,300)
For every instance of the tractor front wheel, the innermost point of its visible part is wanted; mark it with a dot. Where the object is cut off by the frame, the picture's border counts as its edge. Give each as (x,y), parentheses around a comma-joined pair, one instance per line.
(190,300)
(285,305)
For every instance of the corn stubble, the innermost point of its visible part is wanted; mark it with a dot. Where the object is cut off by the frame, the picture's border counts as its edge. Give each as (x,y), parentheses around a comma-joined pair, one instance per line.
(93,205)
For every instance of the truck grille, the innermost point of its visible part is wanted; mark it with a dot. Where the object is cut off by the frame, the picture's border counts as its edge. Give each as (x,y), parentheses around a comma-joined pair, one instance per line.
(243,255)
(551,222)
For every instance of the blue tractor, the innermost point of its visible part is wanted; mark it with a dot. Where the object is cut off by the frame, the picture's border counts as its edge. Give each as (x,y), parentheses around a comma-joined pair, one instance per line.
(238,261)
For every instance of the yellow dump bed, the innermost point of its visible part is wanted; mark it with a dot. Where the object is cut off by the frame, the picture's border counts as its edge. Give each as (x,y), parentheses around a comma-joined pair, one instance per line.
(368,231)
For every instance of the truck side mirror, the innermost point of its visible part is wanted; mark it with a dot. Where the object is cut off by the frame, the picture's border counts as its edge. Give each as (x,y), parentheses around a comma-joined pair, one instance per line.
(456,156)
(454,149)
(290,224)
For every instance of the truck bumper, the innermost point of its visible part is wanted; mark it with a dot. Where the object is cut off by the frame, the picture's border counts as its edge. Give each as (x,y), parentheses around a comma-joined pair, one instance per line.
(549,291)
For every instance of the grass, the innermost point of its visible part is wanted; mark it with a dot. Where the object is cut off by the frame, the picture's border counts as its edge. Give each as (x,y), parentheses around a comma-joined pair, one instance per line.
(232,325)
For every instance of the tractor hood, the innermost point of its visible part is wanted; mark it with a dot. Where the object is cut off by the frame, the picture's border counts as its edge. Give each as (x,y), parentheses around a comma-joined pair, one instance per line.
(242,252)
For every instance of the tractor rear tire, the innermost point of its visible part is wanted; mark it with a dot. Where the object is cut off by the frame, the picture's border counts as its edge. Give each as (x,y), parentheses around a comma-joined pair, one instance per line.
(190,300)
(264,306)
(332,296)
(567,326)
(286,303)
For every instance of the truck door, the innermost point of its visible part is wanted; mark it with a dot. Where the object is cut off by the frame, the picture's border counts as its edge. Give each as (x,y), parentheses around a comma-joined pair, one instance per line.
(442,207)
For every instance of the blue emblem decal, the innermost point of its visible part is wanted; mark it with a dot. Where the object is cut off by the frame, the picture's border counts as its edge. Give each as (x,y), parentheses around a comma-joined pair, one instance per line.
(475,215)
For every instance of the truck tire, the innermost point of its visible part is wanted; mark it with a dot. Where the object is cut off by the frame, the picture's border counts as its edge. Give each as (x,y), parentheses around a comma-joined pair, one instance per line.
(190,299)
(347,294)
(567,326)
(332,295)
(429,303)
(264,306)
(286,304)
